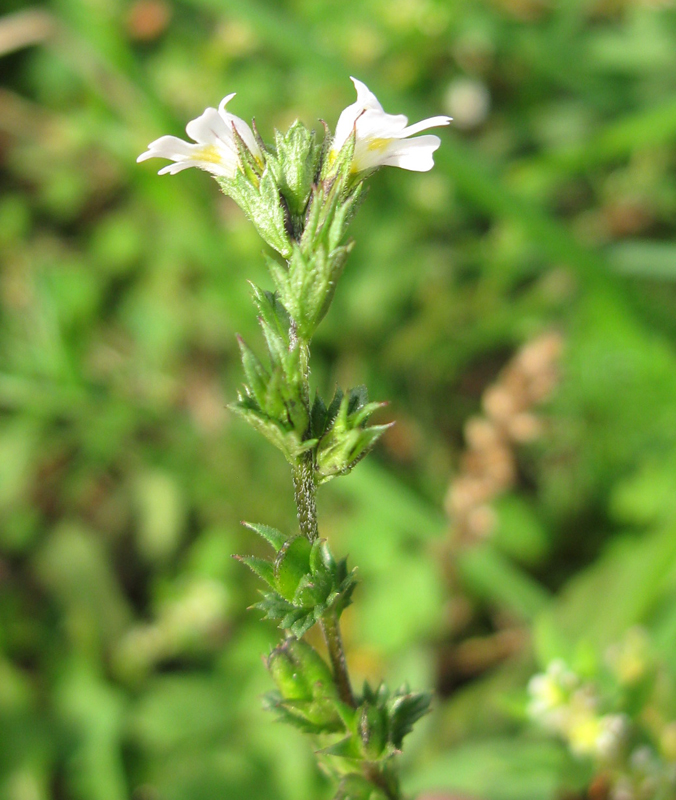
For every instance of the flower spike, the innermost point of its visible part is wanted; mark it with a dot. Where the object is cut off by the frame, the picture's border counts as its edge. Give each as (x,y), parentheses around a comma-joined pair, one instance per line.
(382,139)
(215,149)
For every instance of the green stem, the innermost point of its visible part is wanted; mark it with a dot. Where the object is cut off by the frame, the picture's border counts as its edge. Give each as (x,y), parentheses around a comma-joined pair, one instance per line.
(334,644)
(305,490)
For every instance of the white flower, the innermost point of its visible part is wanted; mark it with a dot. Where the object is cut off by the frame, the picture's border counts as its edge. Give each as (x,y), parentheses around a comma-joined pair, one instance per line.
(215,148)
(381,138)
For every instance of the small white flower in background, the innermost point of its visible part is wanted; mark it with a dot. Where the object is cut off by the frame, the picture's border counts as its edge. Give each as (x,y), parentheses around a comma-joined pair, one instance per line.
(551,693)
(612,736)
(383,139)
(215,147)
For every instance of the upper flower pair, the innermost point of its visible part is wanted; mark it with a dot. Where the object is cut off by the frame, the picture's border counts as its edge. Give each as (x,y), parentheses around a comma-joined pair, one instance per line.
(381,139)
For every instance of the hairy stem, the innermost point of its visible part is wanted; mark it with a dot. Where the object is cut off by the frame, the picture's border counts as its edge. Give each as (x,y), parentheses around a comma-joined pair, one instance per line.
(305,490)
(334,644)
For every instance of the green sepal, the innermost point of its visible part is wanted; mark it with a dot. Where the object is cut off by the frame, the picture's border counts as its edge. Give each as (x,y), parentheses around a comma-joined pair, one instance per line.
(297,156)
(271,535)
(379,723)
(330,211)
(318,416)
(305,579)
(261,201)
(315,595)
(344,439)
(340,165)
(300,714)
(307,695)
(404,710)
(299,672)
(334,407)
(274,399)
(384,719)
(373,731)
(249,164)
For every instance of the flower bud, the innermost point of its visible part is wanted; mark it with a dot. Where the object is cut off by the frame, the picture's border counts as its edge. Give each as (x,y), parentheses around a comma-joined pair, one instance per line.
(373,731)
(299,672)
(306,686)
(297,159)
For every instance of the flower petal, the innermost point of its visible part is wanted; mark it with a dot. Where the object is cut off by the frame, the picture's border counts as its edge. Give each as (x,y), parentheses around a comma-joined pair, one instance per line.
(380,136)
(242,127)
(413,154)
(379,125)
(211,128)
(423,125)
(166,147)
(365,97)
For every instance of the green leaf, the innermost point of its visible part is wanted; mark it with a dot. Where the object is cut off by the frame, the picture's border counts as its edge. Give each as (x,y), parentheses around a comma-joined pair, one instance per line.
(260,567)
(256,375)
(318,416)
(274,321)
(288,441)
(345,748)
(291,565)
(271,535)
(404,711)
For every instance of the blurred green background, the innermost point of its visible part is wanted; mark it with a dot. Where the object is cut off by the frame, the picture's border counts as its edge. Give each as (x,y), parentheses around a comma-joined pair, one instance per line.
(129,667)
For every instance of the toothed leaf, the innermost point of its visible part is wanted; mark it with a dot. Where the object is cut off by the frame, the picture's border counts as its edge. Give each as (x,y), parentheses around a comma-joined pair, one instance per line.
(271,535)
(260,567)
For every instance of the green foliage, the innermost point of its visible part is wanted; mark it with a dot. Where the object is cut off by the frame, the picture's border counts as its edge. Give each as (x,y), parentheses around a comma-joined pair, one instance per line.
(306,580)
(273,401)
(258,197)
(343,438)
(378,725)
(296,163)
(307,697)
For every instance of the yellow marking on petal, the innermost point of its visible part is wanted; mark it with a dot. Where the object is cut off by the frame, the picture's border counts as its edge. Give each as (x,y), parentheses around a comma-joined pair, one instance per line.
(210,153)
(378,144)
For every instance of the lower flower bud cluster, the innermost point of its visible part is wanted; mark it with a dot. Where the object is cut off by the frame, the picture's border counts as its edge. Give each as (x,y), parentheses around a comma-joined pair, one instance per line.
(377,727)
(306,697)
(306,581)
(273,401)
